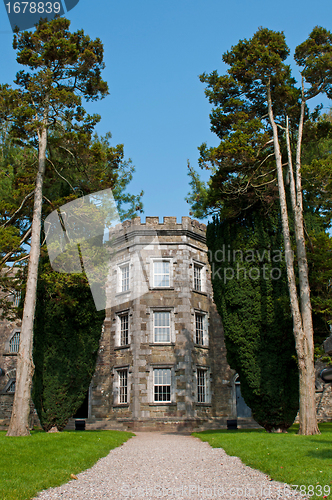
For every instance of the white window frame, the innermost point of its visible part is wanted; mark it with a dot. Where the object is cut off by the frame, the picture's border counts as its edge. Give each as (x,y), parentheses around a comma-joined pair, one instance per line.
(123,285)
(119,316)
(201,267)
(118,395)
(14,341)
(9,349)
(161,327)
(205,324)
(123,386)
(154,261)
(164,372)
(206,371)
(152,327)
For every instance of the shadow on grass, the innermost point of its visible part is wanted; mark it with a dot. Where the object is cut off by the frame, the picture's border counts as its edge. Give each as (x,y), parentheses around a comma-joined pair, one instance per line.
(324,454)
(231,431)
(294,429)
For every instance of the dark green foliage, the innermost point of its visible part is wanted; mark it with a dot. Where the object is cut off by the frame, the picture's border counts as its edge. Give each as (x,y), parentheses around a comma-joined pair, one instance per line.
(66,339)
(244,253)
(320,275)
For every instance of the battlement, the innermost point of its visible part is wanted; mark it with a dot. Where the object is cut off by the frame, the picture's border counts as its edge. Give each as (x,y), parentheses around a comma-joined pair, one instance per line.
(169,223)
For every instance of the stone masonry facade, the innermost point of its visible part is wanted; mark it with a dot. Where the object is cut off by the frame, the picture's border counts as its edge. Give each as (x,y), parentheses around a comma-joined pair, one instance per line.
(162,359)
(8,368)
(9,343)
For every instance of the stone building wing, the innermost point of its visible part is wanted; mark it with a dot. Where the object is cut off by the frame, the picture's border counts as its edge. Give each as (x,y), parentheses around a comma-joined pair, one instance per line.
(162,358)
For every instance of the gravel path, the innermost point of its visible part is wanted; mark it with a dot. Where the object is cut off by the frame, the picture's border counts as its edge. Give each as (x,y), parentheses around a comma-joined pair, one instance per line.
(155,465)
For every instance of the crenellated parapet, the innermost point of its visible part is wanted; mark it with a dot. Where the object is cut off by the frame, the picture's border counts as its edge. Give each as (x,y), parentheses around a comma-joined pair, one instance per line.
(169,227)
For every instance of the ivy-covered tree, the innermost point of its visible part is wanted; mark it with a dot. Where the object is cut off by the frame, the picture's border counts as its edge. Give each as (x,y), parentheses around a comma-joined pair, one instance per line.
(67,330)
(259,116)
(250,290)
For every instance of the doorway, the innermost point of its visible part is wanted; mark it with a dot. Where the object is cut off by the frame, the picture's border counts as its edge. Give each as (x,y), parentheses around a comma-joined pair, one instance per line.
(242,409)
(83,411)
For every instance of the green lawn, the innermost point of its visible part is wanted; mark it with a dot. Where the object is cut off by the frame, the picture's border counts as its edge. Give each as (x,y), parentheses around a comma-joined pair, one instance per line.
(289,458)
(33,463)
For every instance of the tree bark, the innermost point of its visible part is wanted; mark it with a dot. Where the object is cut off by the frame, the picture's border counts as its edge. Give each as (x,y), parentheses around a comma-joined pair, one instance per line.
(308,416)
(19,422)
(302,320)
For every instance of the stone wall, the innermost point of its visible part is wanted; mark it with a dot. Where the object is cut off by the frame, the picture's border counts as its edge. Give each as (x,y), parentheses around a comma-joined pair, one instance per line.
(183,246)
(323,396)
(324,404)
(8,368)
(8,361)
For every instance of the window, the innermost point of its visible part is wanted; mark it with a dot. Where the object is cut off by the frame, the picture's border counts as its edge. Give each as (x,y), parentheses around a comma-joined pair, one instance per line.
(14,342)
(161,327)
(123,386)
(162,385)
(124,329)
(124,278)
(11,387)
(161,273)
(201,386)
(16,297)
(199,329)
(197,278)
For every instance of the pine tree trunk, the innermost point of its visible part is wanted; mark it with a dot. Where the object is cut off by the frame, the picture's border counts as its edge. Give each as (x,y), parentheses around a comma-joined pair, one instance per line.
(307,414)
(308,422)
(19,422)
(303,331)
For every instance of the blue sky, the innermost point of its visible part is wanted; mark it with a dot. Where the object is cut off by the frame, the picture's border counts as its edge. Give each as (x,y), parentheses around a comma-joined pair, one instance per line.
(154,52)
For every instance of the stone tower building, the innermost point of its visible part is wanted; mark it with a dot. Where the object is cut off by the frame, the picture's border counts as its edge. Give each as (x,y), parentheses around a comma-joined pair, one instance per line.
(162,359)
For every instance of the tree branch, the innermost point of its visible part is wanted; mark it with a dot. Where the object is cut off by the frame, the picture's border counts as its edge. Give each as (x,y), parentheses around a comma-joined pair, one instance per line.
(18,210)
(9,254)
(63,178)
(68,151)
(20,260)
